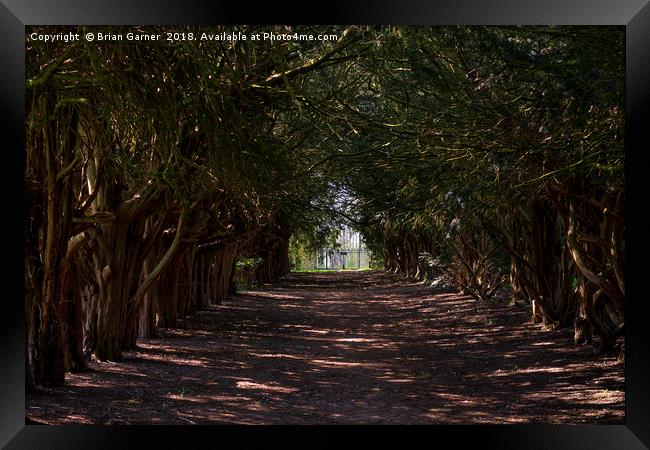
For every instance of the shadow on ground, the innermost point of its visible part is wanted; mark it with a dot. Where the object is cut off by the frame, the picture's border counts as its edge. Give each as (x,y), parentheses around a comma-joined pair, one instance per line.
(346,347)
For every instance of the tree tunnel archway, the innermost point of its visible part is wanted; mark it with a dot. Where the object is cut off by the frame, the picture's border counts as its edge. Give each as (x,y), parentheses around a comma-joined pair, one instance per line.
(159,177)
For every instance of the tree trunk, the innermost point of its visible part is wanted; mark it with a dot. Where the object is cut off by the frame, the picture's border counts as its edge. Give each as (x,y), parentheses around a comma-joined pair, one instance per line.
(110,264)
(168,300)
(186,286)
(147,314)
(71,305)
(223,269)
(54,142)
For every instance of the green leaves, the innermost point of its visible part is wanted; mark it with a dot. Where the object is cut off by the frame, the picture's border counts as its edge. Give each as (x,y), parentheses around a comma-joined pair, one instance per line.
(398,116)
(492,114)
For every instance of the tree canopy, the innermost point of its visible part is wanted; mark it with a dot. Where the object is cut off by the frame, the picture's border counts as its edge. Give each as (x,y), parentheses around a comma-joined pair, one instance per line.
(152,168)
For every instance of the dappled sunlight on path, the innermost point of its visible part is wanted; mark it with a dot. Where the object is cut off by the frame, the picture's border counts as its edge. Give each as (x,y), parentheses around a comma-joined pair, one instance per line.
(347,347)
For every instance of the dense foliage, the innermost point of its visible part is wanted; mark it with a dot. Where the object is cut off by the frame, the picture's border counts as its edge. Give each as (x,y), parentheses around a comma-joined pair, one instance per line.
(494,153)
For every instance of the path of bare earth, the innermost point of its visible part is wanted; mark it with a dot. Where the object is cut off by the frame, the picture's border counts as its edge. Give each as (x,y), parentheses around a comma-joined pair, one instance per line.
(346,347)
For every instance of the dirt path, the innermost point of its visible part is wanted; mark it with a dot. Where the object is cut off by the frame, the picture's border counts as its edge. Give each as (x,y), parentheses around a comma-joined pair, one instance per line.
(351,347)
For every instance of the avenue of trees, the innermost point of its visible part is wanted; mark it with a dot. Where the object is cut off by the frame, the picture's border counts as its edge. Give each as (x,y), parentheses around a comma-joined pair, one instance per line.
(492,154)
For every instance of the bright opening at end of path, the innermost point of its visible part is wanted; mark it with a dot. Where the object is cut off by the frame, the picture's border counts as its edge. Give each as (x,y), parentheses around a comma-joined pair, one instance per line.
(344,249)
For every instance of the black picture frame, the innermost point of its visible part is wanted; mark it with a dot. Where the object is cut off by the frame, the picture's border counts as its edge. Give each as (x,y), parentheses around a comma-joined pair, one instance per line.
(16,14)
